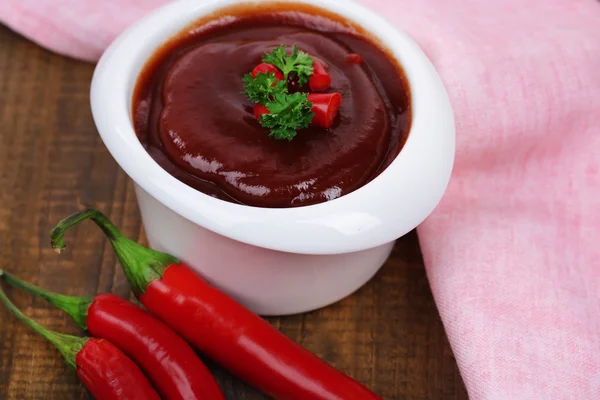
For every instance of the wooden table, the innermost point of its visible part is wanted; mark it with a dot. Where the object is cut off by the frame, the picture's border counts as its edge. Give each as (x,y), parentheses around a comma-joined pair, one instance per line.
(388,335)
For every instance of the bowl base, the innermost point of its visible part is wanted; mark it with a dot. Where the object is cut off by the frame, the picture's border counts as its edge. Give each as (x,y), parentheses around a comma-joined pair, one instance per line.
(270,283)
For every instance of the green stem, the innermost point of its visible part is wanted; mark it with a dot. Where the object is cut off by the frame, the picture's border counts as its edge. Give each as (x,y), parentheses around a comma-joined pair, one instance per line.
(140,264)
(68,345)
(76,307)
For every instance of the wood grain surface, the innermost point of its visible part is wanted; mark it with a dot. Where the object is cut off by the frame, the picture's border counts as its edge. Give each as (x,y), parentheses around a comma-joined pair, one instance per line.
(388,335)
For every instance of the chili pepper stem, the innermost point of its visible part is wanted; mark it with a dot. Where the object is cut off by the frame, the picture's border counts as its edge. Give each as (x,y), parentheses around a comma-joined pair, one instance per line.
(76,307)
(68,345)
(141,265)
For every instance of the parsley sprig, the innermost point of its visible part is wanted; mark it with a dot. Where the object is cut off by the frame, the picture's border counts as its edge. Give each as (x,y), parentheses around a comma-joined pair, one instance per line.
(262,88)
(299,63)
(287,112)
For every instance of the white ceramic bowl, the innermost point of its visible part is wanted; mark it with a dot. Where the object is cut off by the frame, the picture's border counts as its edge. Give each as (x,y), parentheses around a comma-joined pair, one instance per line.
(279,261)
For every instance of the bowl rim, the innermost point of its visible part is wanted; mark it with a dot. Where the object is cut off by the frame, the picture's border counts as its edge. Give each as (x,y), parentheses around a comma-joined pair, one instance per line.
(381,211)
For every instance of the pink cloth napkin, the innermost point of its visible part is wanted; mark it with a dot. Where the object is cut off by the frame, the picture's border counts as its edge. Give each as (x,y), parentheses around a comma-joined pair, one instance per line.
(513,251)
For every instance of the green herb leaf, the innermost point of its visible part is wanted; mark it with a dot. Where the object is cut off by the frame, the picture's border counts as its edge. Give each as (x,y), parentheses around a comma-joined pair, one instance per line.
(298,62)
(263,87)
(288,113)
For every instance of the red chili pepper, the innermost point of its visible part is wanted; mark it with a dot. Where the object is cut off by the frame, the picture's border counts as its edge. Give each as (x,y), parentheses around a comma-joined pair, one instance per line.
(110,375)
(266,68)
(325,107)
(173,366)
(320,80)
(354,58)
(218,326)
(259,110)
(104,369)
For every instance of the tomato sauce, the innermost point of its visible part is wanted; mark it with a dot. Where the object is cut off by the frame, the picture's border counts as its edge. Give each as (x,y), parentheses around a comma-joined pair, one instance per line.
(191,116)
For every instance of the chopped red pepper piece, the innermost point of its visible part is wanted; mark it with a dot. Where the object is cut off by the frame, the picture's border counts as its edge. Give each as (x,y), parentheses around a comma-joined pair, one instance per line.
(320,79)
(259,110)
(266,68)
(354,58)
(325,107)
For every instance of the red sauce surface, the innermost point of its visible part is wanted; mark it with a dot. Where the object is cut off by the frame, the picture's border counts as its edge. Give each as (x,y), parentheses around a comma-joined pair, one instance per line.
(191,117)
